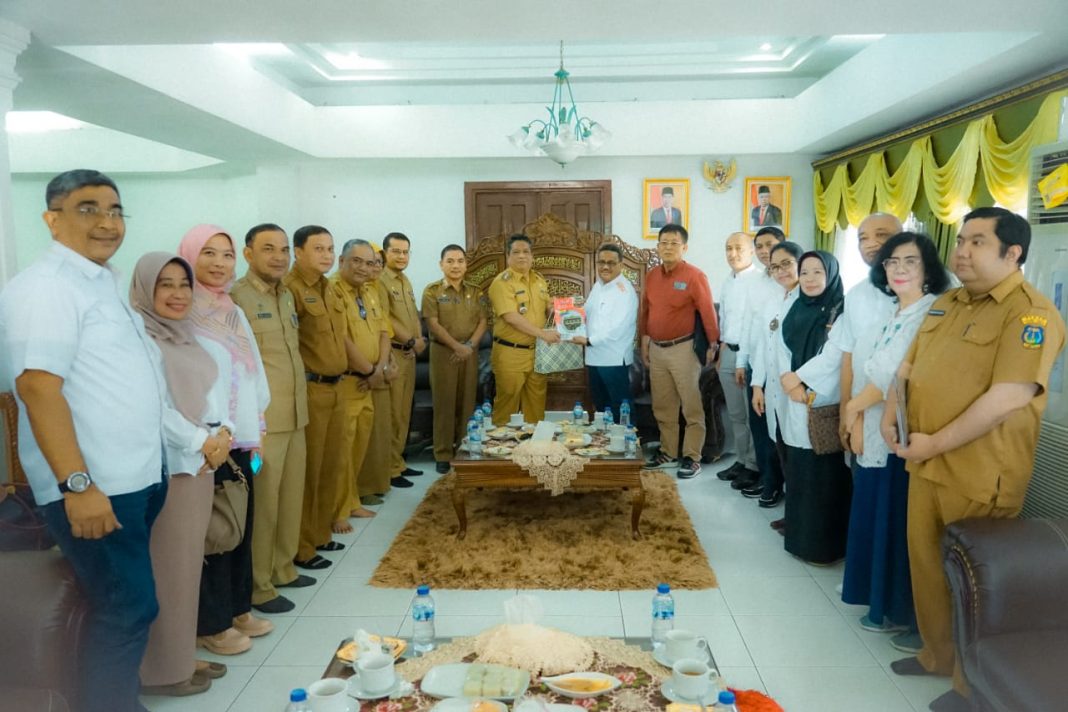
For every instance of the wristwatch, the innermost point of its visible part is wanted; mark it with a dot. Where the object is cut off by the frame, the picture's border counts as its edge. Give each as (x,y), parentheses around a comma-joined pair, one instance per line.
(77,483)
(409,344)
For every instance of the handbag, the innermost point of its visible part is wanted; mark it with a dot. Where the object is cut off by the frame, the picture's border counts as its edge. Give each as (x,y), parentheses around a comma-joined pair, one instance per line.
(21,526)
(823,429)
(554,358)
(229,510)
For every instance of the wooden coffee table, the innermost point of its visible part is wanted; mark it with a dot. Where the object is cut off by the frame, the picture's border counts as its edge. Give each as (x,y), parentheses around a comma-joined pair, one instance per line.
(494,473)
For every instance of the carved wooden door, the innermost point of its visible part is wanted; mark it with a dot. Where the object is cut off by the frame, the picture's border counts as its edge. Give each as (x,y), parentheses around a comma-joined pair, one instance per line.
(503,208)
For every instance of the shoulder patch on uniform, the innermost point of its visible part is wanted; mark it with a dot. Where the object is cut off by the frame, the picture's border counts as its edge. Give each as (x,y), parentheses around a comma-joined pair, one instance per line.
(1034,331)
(620,287)
(505,276)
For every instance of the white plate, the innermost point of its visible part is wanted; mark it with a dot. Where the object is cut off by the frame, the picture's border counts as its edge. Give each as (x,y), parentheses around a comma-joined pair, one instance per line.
(668,691)
(574,695)
(448,681)
(586,440)
(360,694)
(464,704)
(660,655)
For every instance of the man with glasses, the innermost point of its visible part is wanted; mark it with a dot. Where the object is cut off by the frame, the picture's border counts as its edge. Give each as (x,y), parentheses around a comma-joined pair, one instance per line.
(611,321)
(675,293)
(455,314)
(519,297)
(408,342)
(90,426)
(279,488)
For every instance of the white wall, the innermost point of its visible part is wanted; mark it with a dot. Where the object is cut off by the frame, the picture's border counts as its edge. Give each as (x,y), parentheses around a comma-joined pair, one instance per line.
(421,198)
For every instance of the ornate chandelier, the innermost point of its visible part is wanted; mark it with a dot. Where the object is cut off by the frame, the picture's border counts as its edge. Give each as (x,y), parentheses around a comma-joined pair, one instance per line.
(566,135)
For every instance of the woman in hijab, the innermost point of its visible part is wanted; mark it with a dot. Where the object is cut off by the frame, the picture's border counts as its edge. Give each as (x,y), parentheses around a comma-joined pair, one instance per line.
(768,397)
(225,624)
(818,487)
(197,437)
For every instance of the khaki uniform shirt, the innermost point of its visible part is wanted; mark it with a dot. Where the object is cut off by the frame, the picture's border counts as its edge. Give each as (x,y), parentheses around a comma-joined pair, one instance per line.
(457,310)
(965,345)
(364,328)
(402,308)
(529,296)
(321,315)
(272,314)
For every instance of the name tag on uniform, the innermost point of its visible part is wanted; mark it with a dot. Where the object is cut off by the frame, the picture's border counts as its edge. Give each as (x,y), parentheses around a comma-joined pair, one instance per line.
(520,291)
(680,285)
(444,299)
(263,315)
(311,300)
(936,312)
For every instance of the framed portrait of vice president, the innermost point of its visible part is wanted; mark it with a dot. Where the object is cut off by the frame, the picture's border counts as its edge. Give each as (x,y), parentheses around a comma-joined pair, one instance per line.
(767,203)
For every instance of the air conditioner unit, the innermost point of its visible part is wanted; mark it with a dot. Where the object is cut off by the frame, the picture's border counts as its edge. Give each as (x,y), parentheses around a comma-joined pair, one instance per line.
(1047,269)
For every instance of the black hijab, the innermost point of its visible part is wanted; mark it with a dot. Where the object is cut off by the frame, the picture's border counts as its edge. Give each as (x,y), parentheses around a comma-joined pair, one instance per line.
(806,326)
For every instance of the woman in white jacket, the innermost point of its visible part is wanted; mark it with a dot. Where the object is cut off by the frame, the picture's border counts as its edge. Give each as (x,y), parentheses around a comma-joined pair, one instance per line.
(196,432)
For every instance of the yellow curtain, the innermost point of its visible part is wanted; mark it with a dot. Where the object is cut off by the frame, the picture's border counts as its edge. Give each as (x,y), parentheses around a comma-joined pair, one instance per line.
(948,187)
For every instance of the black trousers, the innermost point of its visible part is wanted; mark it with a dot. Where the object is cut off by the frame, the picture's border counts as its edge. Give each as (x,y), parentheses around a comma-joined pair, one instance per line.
(226,583)
(768,457)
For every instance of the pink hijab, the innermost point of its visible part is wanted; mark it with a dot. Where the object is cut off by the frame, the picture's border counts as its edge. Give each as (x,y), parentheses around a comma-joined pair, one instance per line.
(214,314)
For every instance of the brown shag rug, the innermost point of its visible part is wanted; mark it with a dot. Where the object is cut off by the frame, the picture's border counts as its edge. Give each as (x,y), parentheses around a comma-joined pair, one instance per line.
(528,539)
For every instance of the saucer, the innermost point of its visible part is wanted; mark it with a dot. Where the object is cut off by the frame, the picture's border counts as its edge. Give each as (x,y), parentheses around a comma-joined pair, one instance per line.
(660,655)
(668,691)
(360,694)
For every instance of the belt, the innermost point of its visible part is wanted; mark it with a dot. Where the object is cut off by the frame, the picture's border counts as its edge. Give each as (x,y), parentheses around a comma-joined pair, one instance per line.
(673,342)
(511,345)
(326,380)
(732,347)
(399,347)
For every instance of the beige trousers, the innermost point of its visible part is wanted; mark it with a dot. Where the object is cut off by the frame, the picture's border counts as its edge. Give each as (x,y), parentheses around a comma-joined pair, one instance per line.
(327,463)
(519,388)
(401,391)
(674,372)
(361,415)
(279,493)
(374,473)
(453,386)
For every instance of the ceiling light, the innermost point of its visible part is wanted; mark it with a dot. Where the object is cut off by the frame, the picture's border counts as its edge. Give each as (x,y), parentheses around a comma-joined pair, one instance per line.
(566,135)
(765,47)
(39,122)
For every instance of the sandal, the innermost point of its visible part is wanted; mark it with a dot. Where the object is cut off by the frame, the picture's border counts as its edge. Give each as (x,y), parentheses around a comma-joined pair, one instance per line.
(331,546)
(315,563)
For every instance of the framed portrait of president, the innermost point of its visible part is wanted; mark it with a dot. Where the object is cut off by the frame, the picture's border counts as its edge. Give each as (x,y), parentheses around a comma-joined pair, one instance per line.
(666,201)
(767,203)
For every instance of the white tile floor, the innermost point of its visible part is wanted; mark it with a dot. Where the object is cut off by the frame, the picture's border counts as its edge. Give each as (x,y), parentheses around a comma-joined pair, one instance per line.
(775,624)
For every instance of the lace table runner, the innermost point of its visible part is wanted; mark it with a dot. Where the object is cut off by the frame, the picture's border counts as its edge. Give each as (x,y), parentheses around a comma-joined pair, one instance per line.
(550,463)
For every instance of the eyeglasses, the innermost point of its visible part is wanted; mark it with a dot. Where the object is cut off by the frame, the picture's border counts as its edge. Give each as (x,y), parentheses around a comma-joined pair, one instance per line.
(784,266)
(92,212)
(911,263)
(670,243)
(607,263)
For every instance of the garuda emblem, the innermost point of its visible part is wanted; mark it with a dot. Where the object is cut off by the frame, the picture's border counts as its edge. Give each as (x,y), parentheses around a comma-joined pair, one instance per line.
(719,176)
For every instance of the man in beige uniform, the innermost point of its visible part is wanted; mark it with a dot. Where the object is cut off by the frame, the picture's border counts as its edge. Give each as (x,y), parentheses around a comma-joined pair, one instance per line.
(327,354)
(455,314)
(368,333)
(373,479)
(972,438)
(408,342)
(519,297)
(279,488)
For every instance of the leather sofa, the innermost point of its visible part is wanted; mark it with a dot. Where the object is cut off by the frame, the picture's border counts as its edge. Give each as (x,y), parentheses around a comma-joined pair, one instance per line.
(42,616)
(1009,584)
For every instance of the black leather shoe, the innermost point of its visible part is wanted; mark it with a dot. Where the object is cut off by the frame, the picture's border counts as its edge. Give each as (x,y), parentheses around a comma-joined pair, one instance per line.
(443,467)
(399,481)
(731,472)
(769,502)
(747,479)
(754,490)
(409,472)
(278,604)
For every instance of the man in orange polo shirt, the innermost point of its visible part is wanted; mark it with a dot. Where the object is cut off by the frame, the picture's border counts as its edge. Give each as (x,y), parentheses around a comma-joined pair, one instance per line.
(675,293)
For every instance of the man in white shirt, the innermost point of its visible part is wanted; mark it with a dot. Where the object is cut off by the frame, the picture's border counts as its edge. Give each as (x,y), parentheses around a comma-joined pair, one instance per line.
(735,294)
(611,322)
(90,426)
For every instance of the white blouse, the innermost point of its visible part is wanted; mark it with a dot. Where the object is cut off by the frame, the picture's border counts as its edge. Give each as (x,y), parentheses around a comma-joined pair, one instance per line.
(876,358)
(249,395)
(182,439)
(794,415)
(766,355)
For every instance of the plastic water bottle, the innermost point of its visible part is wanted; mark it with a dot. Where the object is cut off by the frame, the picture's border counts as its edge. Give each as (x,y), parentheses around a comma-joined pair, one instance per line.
(631,441)
(577,413)
(725,703)
(298,701)
(624,413)
(487,409)
(608,417)
(663,614)
(474,439)
(423,621)
(480,421)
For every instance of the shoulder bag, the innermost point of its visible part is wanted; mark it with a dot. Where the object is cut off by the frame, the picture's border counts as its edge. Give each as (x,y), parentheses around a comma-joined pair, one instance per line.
(229,509)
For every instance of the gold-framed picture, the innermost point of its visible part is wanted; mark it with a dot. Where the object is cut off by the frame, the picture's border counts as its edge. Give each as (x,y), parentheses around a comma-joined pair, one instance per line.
(665,201)
(767,203)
